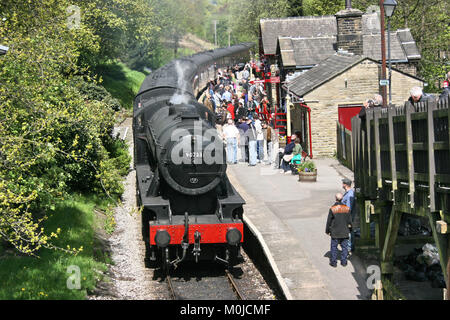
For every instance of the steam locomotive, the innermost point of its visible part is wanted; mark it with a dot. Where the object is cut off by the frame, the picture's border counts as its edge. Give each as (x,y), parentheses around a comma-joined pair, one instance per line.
(190,210)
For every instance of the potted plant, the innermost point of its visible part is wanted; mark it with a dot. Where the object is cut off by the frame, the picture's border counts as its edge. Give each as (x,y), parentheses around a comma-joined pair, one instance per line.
(307,171)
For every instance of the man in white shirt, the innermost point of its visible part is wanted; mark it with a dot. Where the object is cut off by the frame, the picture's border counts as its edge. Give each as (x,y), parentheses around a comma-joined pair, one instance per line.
(245,74)
(231,135)
(259,140)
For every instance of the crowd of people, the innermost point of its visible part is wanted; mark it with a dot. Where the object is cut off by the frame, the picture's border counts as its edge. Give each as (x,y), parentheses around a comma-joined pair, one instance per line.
(244,116)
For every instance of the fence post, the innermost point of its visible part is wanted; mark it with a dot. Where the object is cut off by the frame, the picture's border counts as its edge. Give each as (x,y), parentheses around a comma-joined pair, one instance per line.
(409,147)
(376,118)
(431,164)
(391,112)
(369,115)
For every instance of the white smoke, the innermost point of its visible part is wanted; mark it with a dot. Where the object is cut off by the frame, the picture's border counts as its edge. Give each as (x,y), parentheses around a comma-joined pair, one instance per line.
(180,96)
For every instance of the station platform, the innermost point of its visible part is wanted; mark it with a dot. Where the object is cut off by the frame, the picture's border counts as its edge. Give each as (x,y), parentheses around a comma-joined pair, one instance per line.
(290,217)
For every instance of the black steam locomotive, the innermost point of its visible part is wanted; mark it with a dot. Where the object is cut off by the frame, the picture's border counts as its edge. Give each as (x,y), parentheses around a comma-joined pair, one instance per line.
(190,211)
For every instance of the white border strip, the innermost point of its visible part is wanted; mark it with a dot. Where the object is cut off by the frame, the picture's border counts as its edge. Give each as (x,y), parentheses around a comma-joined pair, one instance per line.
(281,282)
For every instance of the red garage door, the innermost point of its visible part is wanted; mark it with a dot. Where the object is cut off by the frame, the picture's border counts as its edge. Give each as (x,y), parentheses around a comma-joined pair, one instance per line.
(346,113)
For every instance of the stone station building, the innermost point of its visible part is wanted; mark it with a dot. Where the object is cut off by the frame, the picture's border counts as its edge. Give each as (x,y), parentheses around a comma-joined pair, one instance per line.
(330,65)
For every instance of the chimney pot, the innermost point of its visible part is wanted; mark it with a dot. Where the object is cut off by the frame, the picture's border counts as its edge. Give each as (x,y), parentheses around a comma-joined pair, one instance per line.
(348,4)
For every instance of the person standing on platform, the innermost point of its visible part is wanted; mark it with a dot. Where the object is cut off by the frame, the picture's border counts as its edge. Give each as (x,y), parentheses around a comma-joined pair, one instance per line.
(231,136)
(339,224)
(226,96)
(230,109)
(252,135)
(251,106)
(269,139)
(259,140)
(243,141)
(349,200)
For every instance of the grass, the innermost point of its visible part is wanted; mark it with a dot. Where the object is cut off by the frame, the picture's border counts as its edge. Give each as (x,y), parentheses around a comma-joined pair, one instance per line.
(122,82)
(47,277)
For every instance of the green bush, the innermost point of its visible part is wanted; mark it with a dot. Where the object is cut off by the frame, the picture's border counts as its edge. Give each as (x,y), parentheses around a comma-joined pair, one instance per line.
(55,121)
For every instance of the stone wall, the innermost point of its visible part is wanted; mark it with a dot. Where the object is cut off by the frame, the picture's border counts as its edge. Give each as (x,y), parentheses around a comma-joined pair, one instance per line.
(352,87)
(410,68)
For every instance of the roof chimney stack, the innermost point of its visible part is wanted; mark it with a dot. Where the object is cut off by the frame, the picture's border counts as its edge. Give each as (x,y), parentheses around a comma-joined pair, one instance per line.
(349,29)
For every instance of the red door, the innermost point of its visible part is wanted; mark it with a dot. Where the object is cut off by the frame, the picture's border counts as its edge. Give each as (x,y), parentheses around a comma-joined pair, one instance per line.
(346,113)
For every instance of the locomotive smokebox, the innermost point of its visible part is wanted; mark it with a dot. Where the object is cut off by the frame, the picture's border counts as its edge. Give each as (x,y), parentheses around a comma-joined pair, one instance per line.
(195,162)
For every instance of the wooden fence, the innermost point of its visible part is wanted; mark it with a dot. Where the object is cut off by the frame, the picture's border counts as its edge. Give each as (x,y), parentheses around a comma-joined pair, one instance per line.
(401,161)
(344,150)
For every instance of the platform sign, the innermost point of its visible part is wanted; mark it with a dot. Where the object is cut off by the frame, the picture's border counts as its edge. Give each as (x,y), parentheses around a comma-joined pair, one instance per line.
(257,81)
(274,79)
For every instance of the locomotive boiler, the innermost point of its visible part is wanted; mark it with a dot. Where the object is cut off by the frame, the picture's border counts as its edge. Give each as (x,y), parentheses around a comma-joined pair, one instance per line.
(190,210)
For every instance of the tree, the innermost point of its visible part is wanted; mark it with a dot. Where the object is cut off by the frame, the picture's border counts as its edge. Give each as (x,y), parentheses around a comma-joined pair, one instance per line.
(53,134)
(246,15)
(118,25)
(296,8)
(322,7)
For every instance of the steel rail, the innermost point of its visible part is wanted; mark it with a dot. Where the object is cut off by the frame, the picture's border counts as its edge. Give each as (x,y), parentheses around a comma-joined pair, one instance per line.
(234,285)
(171,289)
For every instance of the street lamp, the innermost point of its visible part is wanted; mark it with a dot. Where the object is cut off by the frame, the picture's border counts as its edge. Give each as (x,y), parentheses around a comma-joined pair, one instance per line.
(3,50)
(389,8)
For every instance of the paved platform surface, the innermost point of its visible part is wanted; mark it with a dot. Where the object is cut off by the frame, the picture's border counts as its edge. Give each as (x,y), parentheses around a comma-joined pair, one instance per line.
(291,217)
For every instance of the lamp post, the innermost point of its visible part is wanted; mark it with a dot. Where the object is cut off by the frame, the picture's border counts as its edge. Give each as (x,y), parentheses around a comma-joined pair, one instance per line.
(389,8)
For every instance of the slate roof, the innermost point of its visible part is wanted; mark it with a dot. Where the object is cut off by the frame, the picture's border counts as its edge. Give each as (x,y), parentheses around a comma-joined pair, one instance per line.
(408,44)
(400,50)
(295,27)
(306,51)
(314,38)
(326,70)
(323,72)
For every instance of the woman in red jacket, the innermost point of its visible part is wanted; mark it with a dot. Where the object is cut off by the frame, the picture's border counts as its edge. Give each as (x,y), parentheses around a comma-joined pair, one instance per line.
(230,109)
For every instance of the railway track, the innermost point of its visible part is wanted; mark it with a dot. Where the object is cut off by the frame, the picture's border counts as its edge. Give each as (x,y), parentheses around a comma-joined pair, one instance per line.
(234,285)
(206,288)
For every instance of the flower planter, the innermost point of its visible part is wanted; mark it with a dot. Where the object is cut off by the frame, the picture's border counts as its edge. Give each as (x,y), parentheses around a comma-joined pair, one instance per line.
(307,176)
